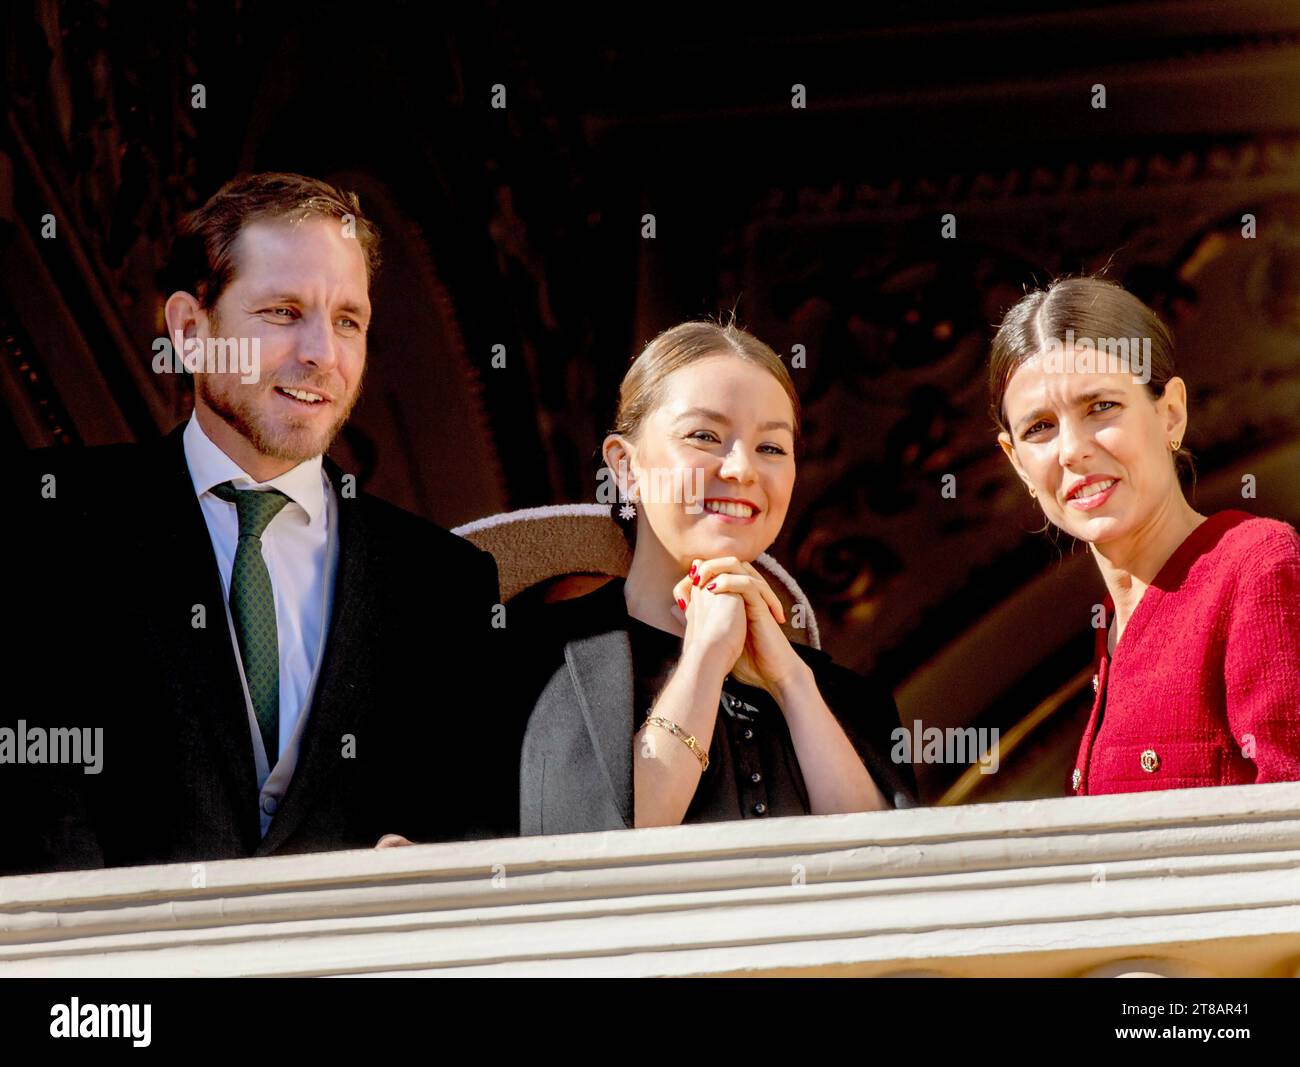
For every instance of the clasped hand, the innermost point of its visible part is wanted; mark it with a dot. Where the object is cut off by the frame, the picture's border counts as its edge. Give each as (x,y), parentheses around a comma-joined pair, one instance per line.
(732,615)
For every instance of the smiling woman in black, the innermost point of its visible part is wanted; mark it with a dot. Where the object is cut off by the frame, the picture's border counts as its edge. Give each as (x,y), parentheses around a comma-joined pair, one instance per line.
(677,695)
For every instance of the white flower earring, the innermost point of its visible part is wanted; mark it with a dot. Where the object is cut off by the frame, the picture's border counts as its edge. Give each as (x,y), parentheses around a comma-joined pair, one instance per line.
(628,511)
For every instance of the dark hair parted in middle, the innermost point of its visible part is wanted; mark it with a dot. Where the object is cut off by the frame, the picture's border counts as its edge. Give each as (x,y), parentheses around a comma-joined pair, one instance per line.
(1085,307)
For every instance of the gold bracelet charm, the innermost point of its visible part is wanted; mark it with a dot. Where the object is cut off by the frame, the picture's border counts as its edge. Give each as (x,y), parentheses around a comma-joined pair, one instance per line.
(687,739)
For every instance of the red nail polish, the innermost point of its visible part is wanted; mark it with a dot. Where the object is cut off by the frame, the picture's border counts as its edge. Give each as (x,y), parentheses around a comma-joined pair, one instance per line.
(692,568)
(681,603)
(710,585)
(695,580)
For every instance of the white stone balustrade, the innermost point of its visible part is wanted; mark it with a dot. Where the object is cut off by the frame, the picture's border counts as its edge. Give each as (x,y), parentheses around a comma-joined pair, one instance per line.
(1186,882)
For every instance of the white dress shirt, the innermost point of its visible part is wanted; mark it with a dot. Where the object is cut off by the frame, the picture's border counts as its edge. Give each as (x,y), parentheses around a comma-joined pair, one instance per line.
(301,553)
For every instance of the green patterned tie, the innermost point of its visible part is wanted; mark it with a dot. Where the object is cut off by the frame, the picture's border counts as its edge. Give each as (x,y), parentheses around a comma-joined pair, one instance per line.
(252,606)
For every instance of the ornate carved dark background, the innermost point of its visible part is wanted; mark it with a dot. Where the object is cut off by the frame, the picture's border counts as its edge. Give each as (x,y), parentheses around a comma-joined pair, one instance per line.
(522,227)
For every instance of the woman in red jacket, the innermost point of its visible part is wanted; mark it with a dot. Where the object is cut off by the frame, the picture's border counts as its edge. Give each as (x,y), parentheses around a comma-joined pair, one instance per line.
(1198,678)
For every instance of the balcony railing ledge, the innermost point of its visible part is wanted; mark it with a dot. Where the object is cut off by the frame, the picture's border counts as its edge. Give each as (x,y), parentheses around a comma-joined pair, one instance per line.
(1179,882)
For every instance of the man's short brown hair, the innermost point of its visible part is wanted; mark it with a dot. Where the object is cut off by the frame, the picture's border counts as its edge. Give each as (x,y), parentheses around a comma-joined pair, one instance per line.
(203,257)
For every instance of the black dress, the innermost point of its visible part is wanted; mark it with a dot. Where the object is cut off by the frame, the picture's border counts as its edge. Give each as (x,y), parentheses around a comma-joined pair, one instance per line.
(753,770)
(586,674)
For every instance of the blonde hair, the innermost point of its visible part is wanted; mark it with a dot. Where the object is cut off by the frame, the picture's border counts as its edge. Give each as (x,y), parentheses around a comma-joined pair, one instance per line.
(642,389)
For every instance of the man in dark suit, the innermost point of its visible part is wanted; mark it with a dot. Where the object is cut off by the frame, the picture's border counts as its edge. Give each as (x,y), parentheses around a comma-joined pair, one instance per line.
(267,658)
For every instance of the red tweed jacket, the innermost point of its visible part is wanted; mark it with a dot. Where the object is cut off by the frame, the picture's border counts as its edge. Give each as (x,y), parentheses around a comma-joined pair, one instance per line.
(1204,686)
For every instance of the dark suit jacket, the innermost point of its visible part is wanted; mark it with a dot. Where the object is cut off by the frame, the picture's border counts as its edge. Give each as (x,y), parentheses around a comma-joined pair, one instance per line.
(108,576)
(576,761)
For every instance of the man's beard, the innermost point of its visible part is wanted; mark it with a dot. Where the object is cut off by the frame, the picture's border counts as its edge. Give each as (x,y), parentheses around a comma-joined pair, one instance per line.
(275,439)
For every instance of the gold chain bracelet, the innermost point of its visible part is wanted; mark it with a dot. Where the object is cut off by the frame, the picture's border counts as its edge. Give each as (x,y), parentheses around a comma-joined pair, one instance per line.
(687,739)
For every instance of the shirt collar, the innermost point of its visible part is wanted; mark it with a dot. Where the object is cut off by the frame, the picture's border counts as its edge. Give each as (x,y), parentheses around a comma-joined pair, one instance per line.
(209,466)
